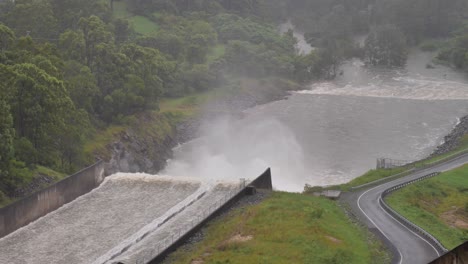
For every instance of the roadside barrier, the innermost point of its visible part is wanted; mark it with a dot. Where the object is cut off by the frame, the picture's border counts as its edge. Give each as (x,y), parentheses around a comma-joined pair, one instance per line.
(414,167)
(418,230)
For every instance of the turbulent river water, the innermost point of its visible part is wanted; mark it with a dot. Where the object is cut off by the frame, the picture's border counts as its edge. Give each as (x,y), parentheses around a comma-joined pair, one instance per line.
(333,131)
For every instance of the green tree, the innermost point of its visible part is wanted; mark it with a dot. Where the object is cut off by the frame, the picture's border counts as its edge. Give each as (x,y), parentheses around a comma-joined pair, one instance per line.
(33,18)
(38,105)
(6,140)
(72,45)
(81,85)
(6,37)
(69,142)
(95,32)
(69,12)
(122,30)
(386,45)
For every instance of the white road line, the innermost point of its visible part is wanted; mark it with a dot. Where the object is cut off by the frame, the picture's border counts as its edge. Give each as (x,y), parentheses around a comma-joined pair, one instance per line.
(408,228)
(383,233)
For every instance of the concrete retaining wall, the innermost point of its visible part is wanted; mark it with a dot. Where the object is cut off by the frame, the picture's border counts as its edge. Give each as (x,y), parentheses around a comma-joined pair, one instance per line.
(29,209)
(458,255)
(263,181)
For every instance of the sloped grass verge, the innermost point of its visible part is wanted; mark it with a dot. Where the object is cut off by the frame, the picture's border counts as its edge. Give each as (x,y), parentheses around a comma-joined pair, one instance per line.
(284,228)
(438,205)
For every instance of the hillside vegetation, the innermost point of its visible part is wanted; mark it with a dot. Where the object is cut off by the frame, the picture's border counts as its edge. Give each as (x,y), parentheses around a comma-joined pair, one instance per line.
(284,228)
(72,72)
(75,74)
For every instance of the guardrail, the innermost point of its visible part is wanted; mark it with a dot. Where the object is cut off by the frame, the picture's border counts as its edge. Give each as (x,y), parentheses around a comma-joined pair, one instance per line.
(450,157)
(428,237)
(383,180)
(415,168)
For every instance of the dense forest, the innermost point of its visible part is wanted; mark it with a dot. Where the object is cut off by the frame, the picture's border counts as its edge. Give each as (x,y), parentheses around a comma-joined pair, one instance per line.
(70,67)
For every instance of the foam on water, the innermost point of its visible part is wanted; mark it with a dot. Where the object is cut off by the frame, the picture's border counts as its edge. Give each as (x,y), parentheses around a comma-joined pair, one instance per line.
(157,222)
(414,88)
(157,241)
(109,219)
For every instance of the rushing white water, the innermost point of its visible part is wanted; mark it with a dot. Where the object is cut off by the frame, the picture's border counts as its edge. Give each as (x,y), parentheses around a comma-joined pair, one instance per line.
(160,238)
(110,220)
(359,80)
(334,131)
(236,149)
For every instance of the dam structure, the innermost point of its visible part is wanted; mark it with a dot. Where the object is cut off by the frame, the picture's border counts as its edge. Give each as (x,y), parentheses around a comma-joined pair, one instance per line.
(129,218)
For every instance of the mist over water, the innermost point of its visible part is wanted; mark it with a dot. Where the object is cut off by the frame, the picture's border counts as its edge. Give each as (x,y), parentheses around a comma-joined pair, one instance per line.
(333,131)
(302,46)
(234,149)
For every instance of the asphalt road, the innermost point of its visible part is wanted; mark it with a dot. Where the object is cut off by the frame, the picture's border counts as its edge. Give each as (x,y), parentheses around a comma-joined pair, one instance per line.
(410,247)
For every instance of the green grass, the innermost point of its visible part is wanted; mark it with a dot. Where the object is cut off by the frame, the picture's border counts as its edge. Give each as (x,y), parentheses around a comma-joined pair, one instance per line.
(27,175)
(285,228)
(436,204)
(370,176)
(374,175)
(98,144)
(377,174)
(216,53)
(154,126)
(463,146)
(49,172)
(189,105)
(431,45)
(143,25)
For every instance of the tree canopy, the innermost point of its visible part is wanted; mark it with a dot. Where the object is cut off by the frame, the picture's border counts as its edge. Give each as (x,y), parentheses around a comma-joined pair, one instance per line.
(69,67)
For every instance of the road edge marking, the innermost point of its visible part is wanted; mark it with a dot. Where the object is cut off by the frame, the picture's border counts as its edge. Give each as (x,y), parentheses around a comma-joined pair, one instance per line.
(380,197)
(372,221)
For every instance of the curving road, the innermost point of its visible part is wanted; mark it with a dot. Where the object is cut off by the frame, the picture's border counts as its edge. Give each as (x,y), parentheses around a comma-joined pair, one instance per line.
(410,247)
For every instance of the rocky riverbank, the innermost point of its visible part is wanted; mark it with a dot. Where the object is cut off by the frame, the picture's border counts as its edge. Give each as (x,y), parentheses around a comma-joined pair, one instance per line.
(452,140)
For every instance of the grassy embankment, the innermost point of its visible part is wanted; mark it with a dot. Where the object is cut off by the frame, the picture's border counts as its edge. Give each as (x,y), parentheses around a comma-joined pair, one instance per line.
(285,228)
(439,205)
(378,174)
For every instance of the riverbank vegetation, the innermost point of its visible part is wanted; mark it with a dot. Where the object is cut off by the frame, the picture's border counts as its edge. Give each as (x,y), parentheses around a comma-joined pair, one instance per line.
(285,228)
(73,70)
(73,73)
(439,205)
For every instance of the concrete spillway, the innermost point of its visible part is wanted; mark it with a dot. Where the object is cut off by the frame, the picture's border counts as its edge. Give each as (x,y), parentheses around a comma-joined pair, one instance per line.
(119,219)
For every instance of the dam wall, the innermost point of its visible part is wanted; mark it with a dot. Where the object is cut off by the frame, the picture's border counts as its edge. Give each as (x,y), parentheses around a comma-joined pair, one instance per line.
(261,182)
(29,209)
